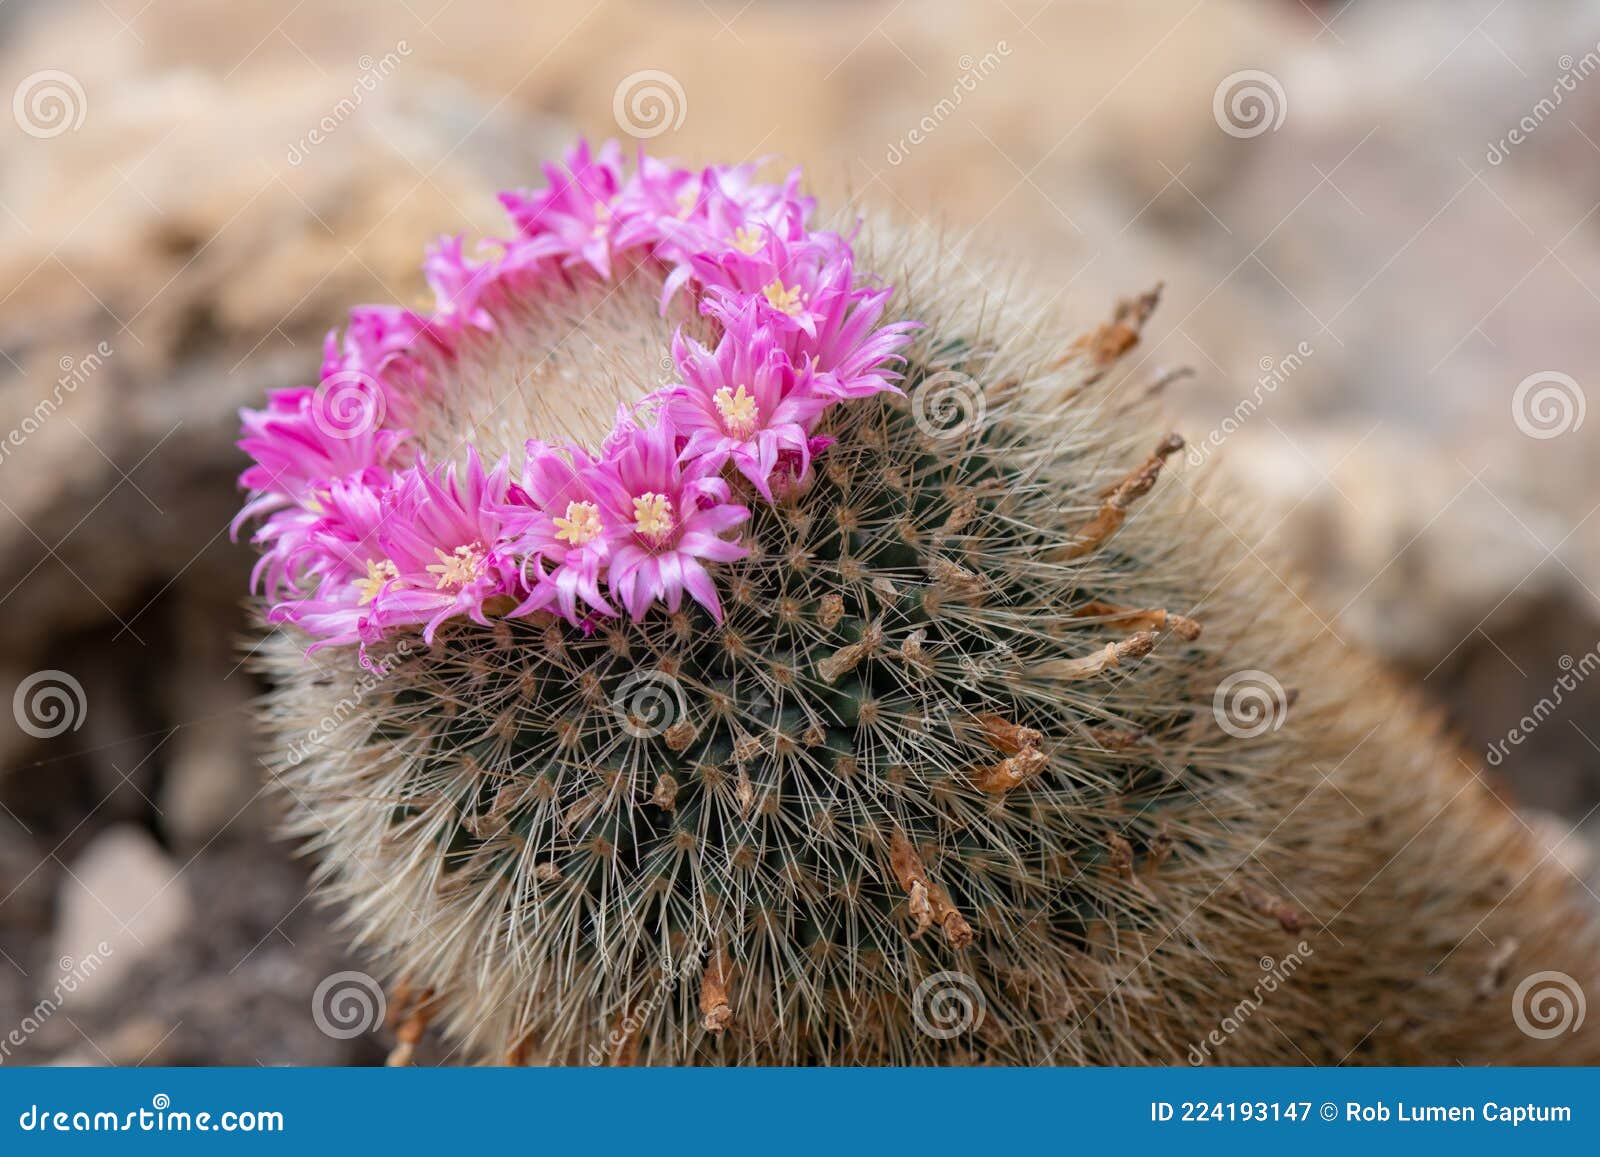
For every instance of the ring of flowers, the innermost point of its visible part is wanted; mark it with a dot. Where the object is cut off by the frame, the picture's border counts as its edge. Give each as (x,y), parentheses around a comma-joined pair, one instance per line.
(360,534)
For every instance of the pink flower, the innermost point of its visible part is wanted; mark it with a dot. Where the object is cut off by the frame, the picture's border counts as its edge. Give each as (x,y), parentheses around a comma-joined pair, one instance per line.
(332,614)
(659,192)
(441,548)
(736,200)
(791,469)
(459,283)
(744,403)
(572,219)
(671,516)
(720,207)
(344,540)
(287,539)
(553,517)
(850,351)
(299,444)
(389,346)
(793,283)
(337,549)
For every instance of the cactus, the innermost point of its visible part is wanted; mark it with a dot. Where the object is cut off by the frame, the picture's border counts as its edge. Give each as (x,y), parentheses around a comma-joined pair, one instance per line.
(937,778)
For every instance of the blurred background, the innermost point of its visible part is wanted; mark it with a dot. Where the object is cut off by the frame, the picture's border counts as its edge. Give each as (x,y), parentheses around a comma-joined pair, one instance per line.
(1376,222)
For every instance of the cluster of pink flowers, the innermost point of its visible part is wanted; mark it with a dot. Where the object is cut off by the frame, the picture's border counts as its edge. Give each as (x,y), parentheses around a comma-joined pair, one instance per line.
(359,533)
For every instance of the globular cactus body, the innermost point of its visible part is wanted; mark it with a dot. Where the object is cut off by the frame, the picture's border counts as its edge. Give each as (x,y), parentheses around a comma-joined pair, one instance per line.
(945,783)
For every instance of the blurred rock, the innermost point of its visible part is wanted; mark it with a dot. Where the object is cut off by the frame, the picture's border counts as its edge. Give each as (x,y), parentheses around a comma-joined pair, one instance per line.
(1385,524)
(213,785)
(122,902)
(25,879)
(209,786)
(239,990)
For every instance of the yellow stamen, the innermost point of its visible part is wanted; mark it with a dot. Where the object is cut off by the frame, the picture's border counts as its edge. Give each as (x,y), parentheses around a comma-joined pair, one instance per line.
(746,240)
(602,215)
(686,201)
(739,411)
(652,516)
(790,301)
(458,569)
(581,525)
(378,573)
